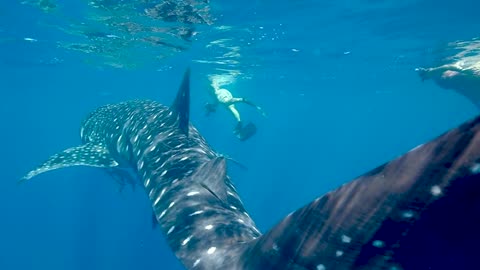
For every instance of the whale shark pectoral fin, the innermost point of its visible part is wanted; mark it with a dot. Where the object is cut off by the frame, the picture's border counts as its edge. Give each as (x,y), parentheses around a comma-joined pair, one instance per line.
(122,177)
(181,105)
(211,176)
(385,211)
(84,155)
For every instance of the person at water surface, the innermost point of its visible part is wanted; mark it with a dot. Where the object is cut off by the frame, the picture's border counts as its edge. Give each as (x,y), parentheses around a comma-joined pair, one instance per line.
(460,77)
(224,97)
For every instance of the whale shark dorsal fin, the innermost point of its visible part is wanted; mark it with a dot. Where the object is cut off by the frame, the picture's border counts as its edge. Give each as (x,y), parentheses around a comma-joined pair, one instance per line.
(181,105)
(211,176)
(88,154)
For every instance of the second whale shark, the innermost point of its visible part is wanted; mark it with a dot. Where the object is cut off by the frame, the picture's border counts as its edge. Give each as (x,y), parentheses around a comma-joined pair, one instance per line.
(402,215)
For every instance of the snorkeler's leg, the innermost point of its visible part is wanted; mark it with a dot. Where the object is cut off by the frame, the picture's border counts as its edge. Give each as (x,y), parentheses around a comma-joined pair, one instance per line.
(235,112)
(246,101)
(242,132)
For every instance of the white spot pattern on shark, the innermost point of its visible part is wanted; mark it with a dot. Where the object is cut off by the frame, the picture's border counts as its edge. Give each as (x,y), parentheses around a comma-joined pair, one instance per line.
(211,229)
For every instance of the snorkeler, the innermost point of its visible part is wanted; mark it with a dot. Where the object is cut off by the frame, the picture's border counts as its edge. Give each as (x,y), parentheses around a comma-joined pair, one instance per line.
(224,97)
(462,76)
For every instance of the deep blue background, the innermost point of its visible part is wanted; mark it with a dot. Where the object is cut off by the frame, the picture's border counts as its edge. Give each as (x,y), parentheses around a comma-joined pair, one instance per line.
(333,115)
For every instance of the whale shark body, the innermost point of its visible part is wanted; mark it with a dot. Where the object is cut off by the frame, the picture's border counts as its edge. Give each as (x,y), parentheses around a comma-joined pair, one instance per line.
(406,214)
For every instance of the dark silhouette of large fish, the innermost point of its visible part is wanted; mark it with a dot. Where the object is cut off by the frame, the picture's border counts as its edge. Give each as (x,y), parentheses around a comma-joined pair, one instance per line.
(419,211)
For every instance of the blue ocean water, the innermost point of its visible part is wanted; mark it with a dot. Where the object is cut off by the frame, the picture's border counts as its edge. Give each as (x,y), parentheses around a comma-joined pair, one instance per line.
(335,77)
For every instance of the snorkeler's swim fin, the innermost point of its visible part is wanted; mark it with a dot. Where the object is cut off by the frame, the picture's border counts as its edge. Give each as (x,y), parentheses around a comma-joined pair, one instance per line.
(210,108)
(245,132)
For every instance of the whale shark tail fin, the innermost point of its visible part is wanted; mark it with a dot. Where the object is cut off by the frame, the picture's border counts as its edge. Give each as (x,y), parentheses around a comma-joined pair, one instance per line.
(84,155)
(181,105)
(394,217)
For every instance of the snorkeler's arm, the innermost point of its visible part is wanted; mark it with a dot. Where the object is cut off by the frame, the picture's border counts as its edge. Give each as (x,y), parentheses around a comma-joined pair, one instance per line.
(428,73)
(454,67)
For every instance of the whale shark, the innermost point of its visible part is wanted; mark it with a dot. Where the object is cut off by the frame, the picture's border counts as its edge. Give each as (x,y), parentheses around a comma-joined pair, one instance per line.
(419,211)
